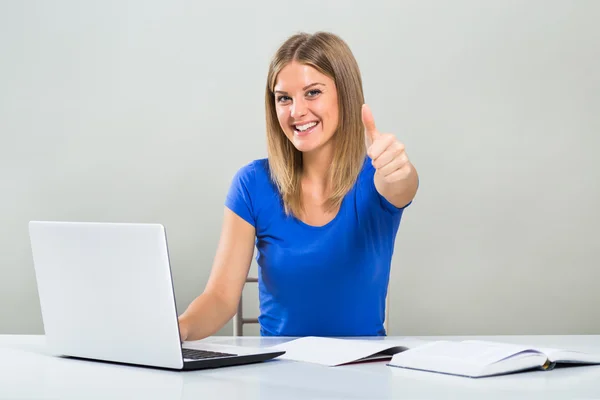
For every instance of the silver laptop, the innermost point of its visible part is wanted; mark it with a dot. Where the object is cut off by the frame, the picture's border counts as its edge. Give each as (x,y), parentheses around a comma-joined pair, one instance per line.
(106,293)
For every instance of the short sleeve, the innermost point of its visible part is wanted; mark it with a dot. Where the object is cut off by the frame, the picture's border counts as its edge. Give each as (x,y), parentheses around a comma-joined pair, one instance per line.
(239,197)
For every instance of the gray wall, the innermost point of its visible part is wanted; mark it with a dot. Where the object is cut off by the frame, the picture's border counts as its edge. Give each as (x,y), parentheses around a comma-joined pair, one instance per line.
(142,111)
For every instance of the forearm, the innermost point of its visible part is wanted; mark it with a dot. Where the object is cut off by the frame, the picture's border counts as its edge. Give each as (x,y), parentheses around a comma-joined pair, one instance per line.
(205,316)
(401,190)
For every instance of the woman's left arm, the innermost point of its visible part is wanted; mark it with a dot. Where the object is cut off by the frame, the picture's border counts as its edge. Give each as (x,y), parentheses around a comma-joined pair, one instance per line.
(396,179)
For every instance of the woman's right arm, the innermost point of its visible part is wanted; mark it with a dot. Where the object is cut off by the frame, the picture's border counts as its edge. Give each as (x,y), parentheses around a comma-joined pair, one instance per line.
(210,311)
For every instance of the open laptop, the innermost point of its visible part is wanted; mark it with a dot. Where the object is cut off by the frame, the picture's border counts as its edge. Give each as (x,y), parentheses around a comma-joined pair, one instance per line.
(106,293)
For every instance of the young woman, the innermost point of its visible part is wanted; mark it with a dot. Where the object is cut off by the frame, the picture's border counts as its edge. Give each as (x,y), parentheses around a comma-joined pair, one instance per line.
(322,210)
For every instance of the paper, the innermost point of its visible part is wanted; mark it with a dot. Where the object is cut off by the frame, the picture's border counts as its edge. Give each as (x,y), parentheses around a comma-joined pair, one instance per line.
(473,352)
(554,354)
(335,351)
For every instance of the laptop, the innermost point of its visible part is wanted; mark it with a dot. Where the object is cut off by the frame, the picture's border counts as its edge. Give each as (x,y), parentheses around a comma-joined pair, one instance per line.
(106,294)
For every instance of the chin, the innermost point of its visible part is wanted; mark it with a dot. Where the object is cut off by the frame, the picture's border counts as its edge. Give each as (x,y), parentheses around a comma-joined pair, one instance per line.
(303,147)
(306,146)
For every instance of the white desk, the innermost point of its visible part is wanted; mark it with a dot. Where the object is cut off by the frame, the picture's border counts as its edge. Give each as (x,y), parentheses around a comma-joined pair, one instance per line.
(27,371)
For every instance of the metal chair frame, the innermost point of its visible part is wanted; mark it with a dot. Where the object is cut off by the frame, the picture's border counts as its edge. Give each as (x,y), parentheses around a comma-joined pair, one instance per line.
(238,319)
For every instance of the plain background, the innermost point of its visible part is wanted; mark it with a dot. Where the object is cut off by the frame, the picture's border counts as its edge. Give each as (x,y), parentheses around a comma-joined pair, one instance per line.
(142,111)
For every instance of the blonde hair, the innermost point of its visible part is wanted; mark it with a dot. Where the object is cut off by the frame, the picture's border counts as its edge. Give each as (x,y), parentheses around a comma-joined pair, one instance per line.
(331,56)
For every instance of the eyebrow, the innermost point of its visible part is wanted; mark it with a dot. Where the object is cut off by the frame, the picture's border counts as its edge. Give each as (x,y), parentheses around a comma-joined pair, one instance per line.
(304,88)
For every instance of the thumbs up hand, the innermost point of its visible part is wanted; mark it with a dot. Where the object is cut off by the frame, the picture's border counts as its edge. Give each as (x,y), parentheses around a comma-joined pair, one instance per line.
(395,177)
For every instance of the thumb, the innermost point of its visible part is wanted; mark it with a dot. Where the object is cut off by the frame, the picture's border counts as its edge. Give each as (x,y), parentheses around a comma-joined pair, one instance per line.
(369,123)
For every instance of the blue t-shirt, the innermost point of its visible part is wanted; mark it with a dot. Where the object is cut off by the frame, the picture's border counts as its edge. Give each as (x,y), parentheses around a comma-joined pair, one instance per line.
(319,281)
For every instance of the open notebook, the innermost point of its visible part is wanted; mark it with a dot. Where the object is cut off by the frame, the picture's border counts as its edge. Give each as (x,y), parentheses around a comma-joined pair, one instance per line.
(471,358)
(475,358)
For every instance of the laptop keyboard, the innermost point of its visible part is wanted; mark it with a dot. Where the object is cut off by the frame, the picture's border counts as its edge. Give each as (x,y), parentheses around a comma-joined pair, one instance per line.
(194,354)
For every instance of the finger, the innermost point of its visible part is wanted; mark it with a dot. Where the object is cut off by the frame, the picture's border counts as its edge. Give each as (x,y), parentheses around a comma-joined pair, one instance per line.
(398,175)
(379,146)
(369,123)
(393,151)
(394,165)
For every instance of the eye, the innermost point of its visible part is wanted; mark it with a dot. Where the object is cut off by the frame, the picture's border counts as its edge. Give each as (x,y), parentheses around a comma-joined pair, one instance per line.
(282,99)
(313,93)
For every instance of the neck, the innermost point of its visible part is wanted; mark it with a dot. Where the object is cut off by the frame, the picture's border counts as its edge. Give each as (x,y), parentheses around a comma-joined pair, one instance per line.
(316,166)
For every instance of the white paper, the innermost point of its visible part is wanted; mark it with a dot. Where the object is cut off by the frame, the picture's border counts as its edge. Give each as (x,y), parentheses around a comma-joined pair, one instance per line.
(335,351)
(552,353)
(473,352)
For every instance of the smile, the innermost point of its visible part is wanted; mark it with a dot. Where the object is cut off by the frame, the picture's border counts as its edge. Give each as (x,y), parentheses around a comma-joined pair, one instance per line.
(305,129)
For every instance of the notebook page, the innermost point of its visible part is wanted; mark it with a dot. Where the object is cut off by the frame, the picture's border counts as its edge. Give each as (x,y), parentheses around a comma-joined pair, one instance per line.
(470,352)
(558,355)
(553,354)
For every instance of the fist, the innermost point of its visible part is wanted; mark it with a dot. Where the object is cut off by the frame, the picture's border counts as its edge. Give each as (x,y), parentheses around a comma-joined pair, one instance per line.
(386,152)
(183,330)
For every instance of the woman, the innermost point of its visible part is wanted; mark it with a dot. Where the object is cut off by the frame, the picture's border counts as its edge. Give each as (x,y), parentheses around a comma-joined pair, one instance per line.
(323,209)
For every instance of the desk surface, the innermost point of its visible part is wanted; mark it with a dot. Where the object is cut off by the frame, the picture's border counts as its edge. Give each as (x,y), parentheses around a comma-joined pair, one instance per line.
(28,371)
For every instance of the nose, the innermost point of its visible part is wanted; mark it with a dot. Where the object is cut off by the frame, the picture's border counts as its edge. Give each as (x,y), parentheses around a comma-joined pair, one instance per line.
(299,109)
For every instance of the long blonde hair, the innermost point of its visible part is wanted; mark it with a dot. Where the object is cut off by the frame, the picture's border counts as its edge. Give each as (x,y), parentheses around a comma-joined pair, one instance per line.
(331,56)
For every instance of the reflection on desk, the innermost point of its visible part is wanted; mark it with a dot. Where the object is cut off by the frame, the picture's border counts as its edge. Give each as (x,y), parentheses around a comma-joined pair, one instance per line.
(27,370)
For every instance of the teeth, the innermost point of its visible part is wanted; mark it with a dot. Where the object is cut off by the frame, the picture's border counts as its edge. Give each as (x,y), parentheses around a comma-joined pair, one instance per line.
(305,126)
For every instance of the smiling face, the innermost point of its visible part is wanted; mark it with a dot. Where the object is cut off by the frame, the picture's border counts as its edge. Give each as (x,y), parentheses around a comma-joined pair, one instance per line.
(306,103)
